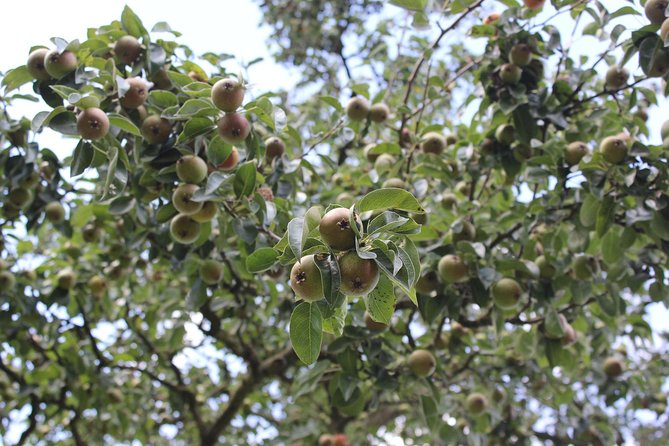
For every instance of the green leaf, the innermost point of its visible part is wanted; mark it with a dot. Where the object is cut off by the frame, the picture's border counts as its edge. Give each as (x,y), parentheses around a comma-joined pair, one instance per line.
(261,259)
(132,23)
(612,249)
(124,123)
(306,332)
(195,127)
(163,99)
(588,212)
(380,303)
(245,179)
(334,324)
(389,198)
(431,413)
(333,102)
(605,215)
(122,205)
(81,159)
(15,78)
(411,5)
(554,328)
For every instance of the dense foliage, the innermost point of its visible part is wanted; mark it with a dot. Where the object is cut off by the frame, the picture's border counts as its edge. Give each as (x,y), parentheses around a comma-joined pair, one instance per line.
(450,232)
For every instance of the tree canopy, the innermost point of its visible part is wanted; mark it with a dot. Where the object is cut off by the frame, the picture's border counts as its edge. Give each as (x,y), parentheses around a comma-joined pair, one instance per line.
(451,231)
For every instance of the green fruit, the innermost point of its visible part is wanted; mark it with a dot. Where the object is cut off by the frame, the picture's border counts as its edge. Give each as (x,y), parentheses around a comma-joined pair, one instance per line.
(373,325)
(506,293)
(91,233)
(569,335)
(357,108)
(97,285)
(233,128)
(664,30)
(184,229)
(191,169)
(614,149)
(92,123)
(54,212)
(182,199)
(31,180)
(448,200)
(211,272)
(476,403)
(616,77)
(207,213)
(467,232)
(520,54)
(422,363)
(506,134)
(156,130)
(510,73)
(7,281)
(227,94)
(20,197)
(36,65)
(127,49)
(384,162)
(660,66)
(463,187)
(115,396)
(58,65)
(546,270)
(613,367)
(371,157)
(137,93)
(379,112)
(575,152)
(394,182)
(358,276)
(305,280)
(584,267)
(655,11)
(452,269)
(274,148)
(433,142)
(231,161)
(66,279)
(336,230)
(428,282)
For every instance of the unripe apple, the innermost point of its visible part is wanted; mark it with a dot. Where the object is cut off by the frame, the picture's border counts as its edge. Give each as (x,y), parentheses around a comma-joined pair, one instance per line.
(97,285)
(233,128)
(467,232)
(325,440)
(395,182)
(433,142)
(546,270)
(371,157)
(358,276)
(36,65)
(191,169)
(613,367)
(336,231)
(137,93)
(340,440)
(20,197)
(357,108)
(448,200)
(92,123)
(156,130)
(452,269)
(184,229)
(584,267)
(506,293)
(379,112)
(616,77)
(660,66)
(575,152)
(66,279)
(54,212)
(207,213)
(510,73)
(520,54)
(227,94)
(274,148)
(491,18)
(428,282)
(127,49)
(506,134)
(211,272)
(7,281)
(231,161)
(422,363)
(656,11)
(373,325)
(614,149)
(305,280)
(476,403)
(182,199)
(59,65)
(664,30)
(534,4)
(384,162)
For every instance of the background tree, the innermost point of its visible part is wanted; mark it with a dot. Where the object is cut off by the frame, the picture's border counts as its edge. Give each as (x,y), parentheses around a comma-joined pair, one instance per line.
(482,228)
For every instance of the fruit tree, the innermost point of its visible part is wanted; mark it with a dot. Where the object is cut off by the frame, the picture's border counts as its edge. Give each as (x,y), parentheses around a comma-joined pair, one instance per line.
(453,230)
